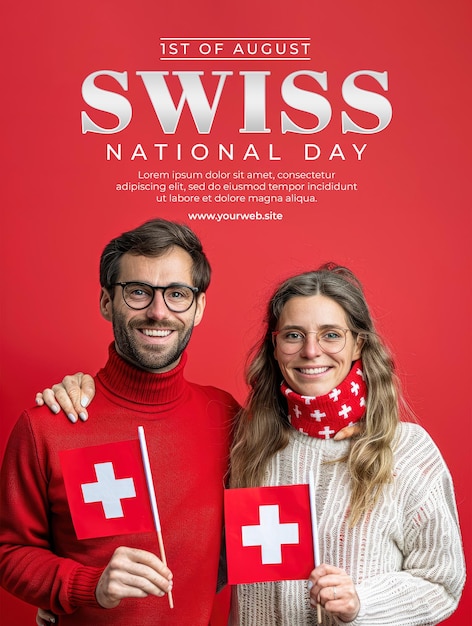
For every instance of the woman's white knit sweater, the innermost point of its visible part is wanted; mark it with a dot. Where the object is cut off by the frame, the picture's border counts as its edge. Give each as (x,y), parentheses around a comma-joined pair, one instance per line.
(405,557)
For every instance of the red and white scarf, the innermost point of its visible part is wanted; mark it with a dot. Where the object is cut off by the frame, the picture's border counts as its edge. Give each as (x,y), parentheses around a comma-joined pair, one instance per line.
(324,416)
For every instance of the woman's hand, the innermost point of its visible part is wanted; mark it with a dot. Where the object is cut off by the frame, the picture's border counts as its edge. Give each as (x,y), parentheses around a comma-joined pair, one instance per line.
(73,395)
(334,590)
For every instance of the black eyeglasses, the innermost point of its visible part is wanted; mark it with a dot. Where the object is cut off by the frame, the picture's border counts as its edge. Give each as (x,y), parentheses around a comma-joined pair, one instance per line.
(178,298)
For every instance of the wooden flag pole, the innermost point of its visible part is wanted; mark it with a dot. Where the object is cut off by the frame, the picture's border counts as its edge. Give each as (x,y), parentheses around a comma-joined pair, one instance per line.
(152,497)
(314,531)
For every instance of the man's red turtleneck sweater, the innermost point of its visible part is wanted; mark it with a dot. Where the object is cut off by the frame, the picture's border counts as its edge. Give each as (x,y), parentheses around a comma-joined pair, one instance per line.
(187,429)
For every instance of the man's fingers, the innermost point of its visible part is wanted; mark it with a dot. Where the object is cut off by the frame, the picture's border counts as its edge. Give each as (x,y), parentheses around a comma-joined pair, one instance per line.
(45,618)
(146,580)
(347,432)
(142,563)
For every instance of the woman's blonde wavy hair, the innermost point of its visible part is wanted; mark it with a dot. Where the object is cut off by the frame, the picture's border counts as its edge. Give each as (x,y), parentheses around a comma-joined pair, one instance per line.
(262,427)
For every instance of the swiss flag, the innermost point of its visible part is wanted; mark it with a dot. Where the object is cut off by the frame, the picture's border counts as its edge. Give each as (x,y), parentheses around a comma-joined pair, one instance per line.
(268,534)
(106,489)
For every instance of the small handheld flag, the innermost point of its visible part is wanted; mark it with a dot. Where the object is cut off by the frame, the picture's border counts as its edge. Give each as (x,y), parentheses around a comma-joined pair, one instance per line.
(111,492)
(268,534)
(106,490)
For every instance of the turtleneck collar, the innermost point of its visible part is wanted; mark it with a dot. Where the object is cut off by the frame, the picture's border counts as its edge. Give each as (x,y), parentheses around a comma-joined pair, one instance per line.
(138,386)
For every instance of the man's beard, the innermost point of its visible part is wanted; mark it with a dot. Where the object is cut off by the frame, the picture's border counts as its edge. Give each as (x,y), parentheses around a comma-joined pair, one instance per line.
(149,357)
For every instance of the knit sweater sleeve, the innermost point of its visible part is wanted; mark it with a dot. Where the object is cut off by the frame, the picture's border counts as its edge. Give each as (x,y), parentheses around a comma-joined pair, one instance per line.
(428,587)
(29,568)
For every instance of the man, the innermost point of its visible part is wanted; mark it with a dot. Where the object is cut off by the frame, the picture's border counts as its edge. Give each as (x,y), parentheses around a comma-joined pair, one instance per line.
(153,283)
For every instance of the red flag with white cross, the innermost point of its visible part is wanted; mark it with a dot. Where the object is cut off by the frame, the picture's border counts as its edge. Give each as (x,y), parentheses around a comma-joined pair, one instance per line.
(268,534)
(106,489)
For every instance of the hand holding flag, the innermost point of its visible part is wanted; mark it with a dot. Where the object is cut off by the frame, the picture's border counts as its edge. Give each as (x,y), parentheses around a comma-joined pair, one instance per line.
(110,492)
(132,573)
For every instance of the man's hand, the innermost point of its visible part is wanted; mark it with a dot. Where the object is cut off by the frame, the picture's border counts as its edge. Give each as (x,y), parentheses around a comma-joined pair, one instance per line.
(347,432)
(132,573)
(73,395)
(45,618)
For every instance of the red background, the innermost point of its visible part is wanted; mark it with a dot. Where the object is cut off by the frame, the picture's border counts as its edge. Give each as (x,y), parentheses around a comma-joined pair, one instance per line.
(405,232)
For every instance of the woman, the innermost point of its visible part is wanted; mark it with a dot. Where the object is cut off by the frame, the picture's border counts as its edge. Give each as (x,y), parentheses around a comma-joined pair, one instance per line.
(387,520)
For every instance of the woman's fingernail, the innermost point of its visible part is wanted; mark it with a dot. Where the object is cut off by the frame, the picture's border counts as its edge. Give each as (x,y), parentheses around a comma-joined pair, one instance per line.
(83,416)
(84,401)
(55,409)
(310,585)
(72,417)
